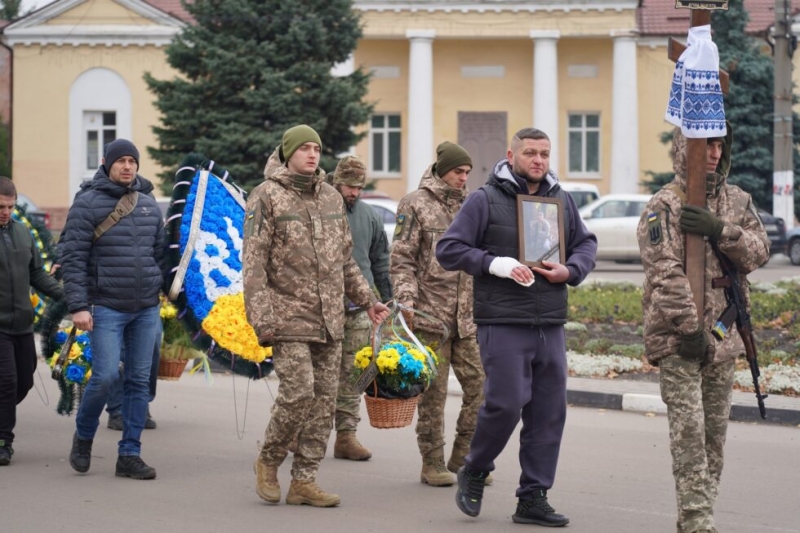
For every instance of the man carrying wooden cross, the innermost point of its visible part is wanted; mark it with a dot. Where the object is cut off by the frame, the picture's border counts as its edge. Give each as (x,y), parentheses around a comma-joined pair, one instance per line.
(681,301)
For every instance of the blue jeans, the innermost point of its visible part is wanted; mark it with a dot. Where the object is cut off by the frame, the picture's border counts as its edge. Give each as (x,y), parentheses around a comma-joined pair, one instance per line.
(112,328)
(114,404)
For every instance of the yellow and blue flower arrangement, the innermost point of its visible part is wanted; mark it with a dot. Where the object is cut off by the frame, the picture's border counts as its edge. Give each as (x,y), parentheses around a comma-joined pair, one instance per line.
(404,371)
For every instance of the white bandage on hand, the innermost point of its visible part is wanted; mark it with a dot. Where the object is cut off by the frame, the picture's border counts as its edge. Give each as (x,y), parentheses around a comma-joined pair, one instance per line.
(502,267)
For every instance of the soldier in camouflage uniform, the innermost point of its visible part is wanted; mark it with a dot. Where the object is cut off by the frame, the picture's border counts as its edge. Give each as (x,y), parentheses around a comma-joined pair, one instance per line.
(420,282)
(297,266)
(371,253)
(696,371)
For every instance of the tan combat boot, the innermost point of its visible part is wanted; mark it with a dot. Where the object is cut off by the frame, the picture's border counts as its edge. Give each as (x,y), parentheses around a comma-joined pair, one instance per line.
(267,486)
(309,493)
(434,472)
(456,461)
(348,447)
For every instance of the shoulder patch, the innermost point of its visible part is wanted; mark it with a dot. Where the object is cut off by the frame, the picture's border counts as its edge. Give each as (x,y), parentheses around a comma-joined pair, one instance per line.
(654,228)
(250,222)
(400,222)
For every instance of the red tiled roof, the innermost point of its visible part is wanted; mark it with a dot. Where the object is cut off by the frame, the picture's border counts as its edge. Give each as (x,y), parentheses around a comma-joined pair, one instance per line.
(174,8)
(659,17)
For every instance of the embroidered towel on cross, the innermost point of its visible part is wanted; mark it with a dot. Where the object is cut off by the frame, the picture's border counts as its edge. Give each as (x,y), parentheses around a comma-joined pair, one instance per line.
(695,98)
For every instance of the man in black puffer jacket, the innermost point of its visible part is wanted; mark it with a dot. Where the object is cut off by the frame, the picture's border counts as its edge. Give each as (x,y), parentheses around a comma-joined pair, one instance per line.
(112,286)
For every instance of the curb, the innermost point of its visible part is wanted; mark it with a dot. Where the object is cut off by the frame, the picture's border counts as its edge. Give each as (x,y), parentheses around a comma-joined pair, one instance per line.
(652,403)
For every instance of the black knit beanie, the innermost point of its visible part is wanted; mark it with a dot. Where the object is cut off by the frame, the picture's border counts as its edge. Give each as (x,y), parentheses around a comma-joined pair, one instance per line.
(119,148)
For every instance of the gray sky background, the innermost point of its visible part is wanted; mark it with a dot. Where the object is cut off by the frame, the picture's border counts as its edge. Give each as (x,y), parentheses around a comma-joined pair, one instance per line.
(33,4)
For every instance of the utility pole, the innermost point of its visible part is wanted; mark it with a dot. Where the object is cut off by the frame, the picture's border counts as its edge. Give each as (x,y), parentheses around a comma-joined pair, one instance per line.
(783,168)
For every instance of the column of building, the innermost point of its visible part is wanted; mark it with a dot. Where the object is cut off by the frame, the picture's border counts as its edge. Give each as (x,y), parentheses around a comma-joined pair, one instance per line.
(545,87)
(420,106)
(625,115)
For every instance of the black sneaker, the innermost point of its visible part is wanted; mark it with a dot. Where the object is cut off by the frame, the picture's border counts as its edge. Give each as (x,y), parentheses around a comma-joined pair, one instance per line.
(80,457)
(536,510)
(115,421)
(132,466)
(470,490)
(6,451)
(149,423)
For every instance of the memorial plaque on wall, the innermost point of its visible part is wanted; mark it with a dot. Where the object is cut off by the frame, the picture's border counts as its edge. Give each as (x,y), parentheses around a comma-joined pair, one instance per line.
(701,4)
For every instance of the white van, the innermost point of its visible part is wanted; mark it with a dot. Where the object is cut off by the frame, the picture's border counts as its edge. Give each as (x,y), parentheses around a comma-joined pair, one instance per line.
(582,193)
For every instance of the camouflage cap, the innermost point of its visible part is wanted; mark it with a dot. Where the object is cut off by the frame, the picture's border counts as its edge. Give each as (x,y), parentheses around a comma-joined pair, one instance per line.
(350,171)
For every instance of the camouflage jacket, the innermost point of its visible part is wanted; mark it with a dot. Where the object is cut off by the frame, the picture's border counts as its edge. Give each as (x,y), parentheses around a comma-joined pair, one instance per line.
(422,218)
(296,261)
(669,309)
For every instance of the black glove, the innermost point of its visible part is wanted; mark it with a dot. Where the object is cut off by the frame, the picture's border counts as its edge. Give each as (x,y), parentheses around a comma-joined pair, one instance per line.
(694,346)
(700,221)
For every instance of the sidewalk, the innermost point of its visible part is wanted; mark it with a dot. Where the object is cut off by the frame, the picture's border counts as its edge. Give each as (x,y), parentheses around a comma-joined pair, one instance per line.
(644,397)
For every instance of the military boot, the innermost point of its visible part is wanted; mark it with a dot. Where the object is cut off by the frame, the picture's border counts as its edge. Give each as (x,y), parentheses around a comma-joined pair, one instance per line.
(434,472)
(267,486)
(309,493)
(348,447)
(456,461)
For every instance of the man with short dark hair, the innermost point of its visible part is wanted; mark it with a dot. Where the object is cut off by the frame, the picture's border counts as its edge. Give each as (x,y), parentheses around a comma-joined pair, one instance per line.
(20,268)
(371,253)
(520,325)
(112,282)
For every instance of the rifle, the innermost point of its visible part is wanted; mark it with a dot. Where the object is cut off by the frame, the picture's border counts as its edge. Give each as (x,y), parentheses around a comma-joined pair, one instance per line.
(736,311)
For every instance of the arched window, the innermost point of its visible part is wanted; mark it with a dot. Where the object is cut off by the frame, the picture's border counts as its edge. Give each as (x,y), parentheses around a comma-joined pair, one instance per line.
(99,112)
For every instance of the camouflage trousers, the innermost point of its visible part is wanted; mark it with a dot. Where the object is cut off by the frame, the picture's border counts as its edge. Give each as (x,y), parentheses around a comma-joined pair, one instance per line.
(463,355)
(348,400)
(304,405)
(698,406)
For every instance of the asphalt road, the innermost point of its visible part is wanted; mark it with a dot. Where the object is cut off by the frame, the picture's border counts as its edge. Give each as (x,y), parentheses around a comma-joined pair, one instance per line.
(778,268)
(614,474)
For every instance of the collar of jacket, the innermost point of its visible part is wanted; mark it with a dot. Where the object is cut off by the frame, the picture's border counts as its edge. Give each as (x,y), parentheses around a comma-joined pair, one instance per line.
(504,178)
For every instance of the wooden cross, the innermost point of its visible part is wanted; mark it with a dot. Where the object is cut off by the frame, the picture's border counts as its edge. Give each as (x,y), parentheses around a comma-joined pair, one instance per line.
(695,253)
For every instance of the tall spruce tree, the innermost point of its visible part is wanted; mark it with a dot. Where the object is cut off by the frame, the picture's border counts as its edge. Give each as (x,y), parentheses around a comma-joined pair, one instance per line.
(252,69)
(749,107)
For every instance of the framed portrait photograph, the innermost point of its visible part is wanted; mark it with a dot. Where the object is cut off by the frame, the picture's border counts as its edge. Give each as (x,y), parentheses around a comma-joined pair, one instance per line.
(540,224)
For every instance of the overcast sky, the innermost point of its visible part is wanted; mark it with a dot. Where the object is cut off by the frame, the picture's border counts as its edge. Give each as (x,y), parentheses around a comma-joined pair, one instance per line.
(33,4)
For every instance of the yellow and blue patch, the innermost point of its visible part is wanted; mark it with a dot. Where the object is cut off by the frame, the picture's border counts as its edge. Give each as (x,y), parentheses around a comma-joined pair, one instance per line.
(654,228)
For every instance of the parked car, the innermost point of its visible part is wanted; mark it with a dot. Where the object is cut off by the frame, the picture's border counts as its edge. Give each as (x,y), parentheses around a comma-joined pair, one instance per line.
(582,193)
(613,219)
(776,231)
(793,245)
(32,211)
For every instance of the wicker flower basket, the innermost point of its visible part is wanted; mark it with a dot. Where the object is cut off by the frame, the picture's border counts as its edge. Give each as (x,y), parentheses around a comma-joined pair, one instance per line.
(171,369)
(388,414)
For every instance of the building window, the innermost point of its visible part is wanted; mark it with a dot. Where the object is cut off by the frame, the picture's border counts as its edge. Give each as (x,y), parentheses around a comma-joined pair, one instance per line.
(100,128)
(384,138)
(584,143)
